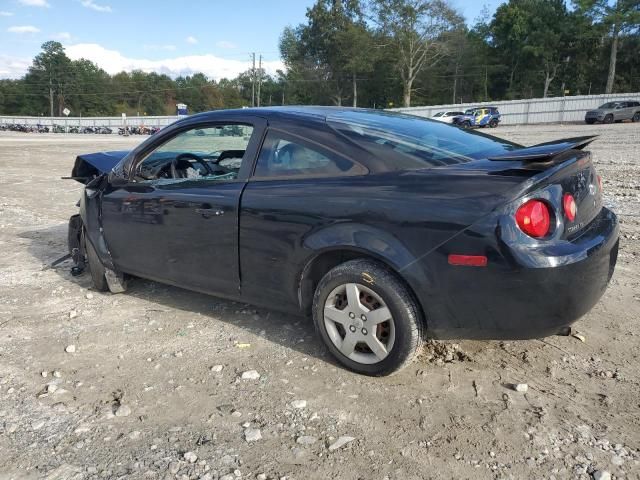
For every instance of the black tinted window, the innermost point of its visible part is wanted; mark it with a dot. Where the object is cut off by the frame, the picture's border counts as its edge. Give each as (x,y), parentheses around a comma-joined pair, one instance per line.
(405,142)
(283,155)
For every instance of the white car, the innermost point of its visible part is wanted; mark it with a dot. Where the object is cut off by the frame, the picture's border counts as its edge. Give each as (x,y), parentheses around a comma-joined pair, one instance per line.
(446,117)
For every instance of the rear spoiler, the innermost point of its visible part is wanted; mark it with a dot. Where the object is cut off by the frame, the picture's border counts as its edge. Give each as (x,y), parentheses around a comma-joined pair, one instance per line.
(545,151)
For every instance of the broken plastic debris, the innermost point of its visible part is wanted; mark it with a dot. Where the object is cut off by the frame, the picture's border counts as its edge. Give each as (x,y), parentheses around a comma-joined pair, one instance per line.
(579,336)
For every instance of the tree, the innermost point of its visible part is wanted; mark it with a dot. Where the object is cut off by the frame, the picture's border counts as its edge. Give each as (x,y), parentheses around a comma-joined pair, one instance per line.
(51,72)
(619,17)
(414,29)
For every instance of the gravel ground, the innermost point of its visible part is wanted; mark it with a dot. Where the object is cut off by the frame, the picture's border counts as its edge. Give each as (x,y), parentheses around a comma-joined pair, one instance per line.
(166,383)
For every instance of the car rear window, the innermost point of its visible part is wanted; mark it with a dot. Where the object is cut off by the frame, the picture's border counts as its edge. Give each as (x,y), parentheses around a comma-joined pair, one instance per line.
(406,142)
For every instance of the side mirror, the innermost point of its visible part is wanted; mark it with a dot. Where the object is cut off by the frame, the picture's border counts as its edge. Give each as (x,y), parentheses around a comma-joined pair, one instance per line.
(116,179)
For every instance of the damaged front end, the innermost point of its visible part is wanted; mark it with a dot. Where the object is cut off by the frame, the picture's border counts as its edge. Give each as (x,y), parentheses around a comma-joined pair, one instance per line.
(86,242)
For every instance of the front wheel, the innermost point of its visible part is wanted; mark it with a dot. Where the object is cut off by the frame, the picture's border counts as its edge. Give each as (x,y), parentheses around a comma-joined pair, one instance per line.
(590,121)
(493,123)
(466,124)
(608,119)
(636,117)
(367,318)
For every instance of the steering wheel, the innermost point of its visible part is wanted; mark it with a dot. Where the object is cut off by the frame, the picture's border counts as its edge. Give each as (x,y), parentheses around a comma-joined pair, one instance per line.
(181,173)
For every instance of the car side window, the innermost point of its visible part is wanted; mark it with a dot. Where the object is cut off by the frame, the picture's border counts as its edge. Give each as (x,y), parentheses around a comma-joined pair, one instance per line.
(283,155)
(201,153)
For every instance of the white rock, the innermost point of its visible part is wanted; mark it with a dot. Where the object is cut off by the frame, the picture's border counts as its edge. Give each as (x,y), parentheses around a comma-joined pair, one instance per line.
(123,411)
(217,368)
(306,440)
(73,314)
(250,375)
(57,374)
(521,387)
(70,349)
(134,435)
(261,476)
(617,460)
(44,373)
(601,475)
(52,387)
(252,434)
(299,404)
(89,296)
(190,457)
(340,442)
(37,425)
(228,476)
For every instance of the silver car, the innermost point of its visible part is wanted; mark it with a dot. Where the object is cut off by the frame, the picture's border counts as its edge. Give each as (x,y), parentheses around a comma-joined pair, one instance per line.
(614,112)
(446,117)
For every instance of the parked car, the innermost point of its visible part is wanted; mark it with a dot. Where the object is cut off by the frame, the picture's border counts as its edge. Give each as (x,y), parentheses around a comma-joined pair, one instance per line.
(478,117)
(383,227)
(614,112)
(446,117)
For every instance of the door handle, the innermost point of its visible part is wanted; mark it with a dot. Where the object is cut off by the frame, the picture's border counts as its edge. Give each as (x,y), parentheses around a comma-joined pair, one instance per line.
(210,212)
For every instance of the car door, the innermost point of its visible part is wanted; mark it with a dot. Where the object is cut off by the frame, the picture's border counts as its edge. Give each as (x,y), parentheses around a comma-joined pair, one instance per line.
(628,110)
(176,221)
(286,200)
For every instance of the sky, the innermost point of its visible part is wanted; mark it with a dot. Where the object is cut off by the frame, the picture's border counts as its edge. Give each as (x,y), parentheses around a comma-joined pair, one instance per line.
(180,37)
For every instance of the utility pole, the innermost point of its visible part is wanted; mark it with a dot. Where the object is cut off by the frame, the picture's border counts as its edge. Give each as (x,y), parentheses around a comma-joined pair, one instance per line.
(50,91)
(259,78)
(253,80)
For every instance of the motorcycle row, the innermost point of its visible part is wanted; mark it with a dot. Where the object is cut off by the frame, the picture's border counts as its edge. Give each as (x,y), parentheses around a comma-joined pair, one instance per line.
(20,127)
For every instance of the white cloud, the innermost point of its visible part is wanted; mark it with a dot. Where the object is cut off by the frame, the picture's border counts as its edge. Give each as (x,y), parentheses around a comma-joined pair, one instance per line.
(13,67)
(23,29)
(226,44)
(34,3)
(214,67)
(63,36)
(192,40)
(6,14)
(94,6)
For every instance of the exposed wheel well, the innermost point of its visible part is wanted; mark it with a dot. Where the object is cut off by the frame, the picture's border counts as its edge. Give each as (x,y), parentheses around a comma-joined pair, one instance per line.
(320,265)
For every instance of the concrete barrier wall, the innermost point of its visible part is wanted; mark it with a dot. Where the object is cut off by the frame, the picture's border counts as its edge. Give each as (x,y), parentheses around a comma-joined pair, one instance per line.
(535,110)
(113,122)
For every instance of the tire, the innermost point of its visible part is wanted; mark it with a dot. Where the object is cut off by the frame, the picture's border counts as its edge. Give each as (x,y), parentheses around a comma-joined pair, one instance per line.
(493,123)
(95,267)
(397,340)
(608,119)
(590,122)
(636,117)
(466,124)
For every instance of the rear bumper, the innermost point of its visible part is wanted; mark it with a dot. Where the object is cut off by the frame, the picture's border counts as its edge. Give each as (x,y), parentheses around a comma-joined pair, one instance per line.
(520,302)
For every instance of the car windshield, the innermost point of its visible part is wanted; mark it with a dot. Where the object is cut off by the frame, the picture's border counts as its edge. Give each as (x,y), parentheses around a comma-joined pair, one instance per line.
(471,111)
(406,142)
(608,106)
(439,114)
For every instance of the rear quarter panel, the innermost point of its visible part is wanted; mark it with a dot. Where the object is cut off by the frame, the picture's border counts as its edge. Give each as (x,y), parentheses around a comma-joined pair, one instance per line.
(399,218)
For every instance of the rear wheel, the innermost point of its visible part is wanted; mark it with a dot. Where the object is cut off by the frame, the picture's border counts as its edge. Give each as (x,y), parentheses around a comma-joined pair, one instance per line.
(493,123)
(636,117)
(367,318)
(608,119)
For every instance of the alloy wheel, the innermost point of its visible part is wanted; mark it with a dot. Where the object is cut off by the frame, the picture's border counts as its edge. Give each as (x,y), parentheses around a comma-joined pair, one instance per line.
(359,323)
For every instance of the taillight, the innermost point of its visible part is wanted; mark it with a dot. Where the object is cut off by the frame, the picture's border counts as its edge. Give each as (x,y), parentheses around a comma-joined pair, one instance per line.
(569,205)
(534,218)
(599,182)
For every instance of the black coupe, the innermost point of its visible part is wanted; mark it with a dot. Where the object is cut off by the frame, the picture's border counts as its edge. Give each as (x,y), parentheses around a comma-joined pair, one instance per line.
(386,228)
